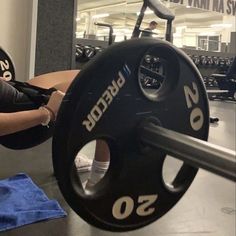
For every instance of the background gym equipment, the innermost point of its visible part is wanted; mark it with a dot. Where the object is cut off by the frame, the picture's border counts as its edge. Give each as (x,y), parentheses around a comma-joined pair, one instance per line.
(220,85)
(79,52)
(225,84)
(7,69)
(89,52)
(85,53)
(110,37)
(161,11)
(149,32)
(203,60)
(209,61)
(98,50)
(152,72)
(196,60)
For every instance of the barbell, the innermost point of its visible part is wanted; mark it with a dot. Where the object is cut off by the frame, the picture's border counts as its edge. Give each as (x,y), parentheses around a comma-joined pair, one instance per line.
(108,101)
(141,126)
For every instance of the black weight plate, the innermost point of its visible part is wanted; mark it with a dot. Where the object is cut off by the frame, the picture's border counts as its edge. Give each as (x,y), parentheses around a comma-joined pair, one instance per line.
(28,138)
(7,69)
(33,136)
(196,60)
(215,61)
(79,52)
(203,60)
(133,193)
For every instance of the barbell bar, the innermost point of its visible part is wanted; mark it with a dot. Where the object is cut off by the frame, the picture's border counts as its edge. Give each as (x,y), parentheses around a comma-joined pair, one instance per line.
(195,152)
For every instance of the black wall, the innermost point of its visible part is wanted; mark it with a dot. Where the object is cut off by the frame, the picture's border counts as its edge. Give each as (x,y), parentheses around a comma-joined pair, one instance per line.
(55,35)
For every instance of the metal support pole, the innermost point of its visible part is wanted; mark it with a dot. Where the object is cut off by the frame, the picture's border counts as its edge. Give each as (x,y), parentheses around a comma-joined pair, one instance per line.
(110,39)
(169,37)
(136,31)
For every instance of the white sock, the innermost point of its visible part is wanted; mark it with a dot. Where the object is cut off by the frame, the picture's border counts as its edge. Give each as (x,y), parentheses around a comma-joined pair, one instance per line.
(98,170)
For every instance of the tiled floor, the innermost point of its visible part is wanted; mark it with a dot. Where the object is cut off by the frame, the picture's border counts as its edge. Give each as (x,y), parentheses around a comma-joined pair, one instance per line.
(207,209)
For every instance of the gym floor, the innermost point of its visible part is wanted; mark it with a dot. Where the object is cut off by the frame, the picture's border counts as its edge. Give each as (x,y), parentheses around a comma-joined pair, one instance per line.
(208,207)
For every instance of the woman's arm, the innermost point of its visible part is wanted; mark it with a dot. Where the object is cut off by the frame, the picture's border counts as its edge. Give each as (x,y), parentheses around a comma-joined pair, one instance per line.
(18,121)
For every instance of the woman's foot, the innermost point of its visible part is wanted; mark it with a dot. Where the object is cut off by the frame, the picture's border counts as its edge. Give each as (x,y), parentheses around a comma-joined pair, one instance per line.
(83,163)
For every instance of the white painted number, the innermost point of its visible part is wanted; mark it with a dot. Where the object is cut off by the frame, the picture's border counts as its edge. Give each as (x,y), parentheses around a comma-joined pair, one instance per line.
(144,209)
(4,65)
(196,119)
(192,98)
(7,75)
(124,206)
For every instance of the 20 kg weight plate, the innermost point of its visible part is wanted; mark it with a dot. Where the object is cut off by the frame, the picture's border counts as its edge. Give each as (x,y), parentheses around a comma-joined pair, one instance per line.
(107,101)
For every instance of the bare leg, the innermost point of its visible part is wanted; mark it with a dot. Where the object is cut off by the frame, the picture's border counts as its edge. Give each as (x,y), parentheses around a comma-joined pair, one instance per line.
(100,164)
(60,80)
(102,152)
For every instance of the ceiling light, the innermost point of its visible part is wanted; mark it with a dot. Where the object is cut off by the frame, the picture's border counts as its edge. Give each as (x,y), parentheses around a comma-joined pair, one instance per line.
(221,26)
(104,29)
(207,34)
(124,31)
(146,13)
(100,16)
(181,27)
(177,35)
(79,33)
(104,6)
(78,19)
(134,3)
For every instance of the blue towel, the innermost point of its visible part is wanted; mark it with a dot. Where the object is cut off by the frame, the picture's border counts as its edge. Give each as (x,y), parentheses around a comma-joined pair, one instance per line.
(22,203)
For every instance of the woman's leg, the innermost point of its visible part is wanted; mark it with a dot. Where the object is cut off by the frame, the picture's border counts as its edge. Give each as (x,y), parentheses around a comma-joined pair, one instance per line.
(60,80)
(100,164)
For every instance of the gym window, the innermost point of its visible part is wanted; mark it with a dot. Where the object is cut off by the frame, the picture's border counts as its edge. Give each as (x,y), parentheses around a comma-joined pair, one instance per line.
(209,43)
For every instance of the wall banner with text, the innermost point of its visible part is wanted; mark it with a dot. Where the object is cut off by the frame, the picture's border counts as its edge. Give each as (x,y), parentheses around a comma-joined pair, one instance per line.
(226,7)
